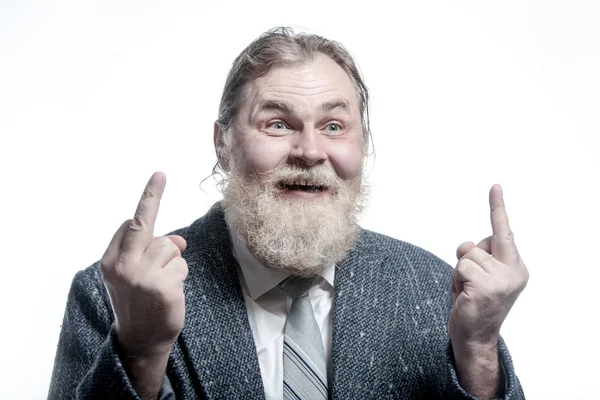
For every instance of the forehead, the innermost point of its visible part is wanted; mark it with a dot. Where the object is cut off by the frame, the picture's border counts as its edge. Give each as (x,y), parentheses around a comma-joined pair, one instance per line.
(308,84)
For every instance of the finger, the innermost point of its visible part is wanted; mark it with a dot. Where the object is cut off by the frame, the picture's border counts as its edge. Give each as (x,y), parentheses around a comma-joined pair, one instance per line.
(178,241)
(112,251)
(463,249)
(455,286)
(141,230)
(502,243)
(177,268)
(160,252)
(481,258)
(486,244)
(467,271)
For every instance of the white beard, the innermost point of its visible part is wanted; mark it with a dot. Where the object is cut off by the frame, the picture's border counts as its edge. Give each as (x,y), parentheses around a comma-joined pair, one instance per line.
(296,235)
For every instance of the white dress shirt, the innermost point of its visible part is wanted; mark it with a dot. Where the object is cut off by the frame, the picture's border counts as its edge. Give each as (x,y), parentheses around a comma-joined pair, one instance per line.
(268,306)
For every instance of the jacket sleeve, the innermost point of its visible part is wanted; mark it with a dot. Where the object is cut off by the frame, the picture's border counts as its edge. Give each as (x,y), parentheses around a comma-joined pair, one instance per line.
(87,365)
(512,389)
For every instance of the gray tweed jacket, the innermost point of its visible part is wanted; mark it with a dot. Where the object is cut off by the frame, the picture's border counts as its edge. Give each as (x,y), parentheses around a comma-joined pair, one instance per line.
(390,337)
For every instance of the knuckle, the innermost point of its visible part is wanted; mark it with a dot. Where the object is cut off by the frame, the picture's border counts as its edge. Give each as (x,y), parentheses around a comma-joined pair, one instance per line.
(137,224)
(122,270)
(161,247)
(120,274)
(148,194)
(182,261)
(488,262)
(167,245)
(178,263)
(472,252)
(182,267)
(463,264)
(464,267)
(162,242)
(510,236)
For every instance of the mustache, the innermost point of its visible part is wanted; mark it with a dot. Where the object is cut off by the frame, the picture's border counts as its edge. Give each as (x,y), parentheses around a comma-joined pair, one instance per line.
(315,176)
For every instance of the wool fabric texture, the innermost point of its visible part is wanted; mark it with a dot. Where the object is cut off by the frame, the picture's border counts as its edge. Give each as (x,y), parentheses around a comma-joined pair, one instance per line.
(390,328)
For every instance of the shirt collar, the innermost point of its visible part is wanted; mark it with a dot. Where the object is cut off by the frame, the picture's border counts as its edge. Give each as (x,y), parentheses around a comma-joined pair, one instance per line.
(260,279)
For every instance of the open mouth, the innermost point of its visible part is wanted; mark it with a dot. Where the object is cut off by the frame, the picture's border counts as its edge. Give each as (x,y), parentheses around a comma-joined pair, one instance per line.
(303,186)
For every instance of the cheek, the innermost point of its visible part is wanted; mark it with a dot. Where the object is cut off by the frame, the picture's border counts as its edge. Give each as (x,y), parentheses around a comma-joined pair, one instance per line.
(347,159)
(261,154)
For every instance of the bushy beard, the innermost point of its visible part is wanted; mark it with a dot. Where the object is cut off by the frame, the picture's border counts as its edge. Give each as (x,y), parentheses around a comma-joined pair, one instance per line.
(296,235)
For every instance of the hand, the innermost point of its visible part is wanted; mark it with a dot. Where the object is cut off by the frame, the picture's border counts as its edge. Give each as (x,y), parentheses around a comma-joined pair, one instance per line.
(485,284)
(144,276)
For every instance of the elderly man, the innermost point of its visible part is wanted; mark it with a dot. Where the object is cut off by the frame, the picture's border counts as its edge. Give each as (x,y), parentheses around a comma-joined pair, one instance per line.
(277,292)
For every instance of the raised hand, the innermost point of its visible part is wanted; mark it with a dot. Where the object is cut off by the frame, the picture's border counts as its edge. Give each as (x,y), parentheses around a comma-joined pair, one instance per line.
(486,282)
(144,276)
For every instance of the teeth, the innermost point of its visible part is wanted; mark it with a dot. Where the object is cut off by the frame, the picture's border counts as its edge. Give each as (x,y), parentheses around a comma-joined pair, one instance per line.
(303,182)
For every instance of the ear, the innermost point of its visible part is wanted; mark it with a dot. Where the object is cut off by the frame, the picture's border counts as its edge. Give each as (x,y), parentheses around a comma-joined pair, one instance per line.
(219,146)
(217,137)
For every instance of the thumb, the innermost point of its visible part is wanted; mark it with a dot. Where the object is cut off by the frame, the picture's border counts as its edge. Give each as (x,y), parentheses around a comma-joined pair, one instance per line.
(178,241)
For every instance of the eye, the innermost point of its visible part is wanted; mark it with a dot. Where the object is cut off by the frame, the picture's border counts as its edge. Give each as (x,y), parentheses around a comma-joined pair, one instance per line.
(333,128)
(277,125)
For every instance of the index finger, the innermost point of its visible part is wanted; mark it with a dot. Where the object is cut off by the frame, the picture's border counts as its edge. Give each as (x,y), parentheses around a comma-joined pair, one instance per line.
(141,229)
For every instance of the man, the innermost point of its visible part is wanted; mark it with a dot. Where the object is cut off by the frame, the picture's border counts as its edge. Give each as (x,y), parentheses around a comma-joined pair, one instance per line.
(276,292)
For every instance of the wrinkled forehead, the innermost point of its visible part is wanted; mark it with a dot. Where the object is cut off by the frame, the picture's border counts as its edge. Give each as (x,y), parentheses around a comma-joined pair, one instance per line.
(309,84)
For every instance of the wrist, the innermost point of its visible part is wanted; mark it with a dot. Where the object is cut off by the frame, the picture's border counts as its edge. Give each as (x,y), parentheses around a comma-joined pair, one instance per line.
(478,368)
(134,345)
(145,368)
(476,351)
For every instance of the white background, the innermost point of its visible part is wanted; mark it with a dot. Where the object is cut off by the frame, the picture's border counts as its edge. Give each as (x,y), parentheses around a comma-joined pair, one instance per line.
(96,95)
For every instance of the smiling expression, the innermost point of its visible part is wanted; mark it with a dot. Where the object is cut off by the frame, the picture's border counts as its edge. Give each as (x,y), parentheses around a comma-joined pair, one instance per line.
(306,115)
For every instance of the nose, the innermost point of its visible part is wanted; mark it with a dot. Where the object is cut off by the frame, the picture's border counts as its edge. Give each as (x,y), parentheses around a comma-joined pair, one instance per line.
(308,148)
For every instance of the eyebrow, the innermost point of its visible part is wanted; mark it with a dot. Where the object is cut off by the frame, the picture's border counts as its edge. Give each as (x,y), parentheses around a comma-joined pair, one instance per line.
(332,105)
(285,108)
(275,105)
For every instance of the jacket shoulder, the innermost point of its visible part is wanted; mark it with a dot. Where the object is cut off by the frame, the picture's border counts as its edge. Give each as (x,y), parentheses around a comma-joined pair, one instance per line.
(398,252)
(421,277)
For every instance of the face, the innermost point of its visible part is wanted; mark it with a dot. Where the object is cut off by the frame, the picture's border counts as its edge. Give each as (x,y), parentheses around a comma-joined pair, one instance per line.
(306,115)
(295,167)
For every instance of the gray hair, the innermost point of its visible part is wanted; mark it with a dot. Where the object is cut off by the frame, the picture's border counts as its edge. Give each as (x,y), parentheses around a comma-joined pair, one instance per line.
(282,47)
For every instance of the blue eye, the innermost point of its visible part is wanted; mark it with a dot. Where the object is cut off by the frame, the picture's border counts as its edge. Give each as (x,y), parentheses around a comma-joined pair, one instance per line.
(333,128)
(277,125)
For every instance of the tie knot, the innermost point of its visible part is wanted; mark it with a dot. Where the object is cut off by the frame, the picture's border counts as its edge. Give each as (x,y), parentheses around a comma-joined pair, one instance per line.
(296,286)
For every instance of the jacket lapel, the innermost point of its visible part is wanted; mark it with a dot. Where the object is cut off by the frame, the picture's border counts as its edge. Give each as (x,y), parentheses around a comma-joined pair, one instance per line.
(367,309)
(216,337)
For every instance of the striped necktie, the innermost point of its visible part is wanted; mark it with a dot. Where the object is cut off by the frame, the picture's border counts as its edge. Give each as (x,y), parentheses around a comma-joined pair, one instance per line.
(304,370)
